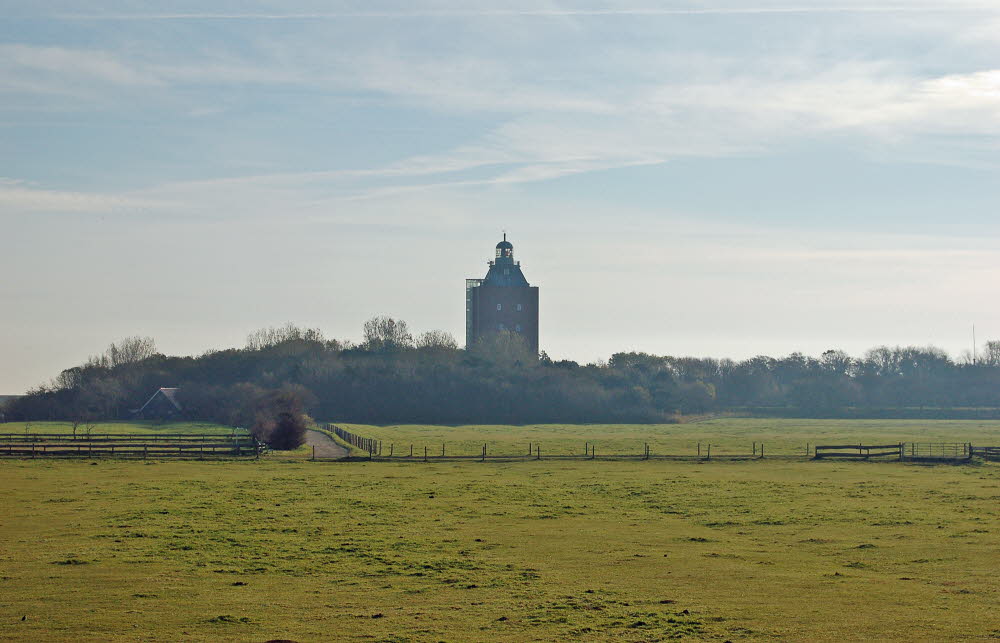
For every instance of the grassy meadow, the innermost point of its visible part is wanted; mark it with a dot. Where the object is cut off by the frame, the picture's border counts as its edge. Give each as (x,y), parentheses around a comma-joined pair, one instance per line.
(99,428)
(726,435)
(517,551)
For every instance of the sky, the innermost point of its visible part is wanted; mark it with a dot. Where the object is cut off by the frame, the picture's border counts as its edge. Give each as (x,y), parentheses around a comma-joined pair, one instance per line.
(708,178)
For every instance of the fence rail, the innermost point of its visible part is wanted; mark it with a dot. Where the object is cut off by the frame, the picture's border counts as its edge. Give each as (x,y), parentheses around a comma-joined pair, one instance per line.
(986,453)
(124,437)
(937,451)
(136,445)
(901,451)
(378,450)
(863,451)
(370,445)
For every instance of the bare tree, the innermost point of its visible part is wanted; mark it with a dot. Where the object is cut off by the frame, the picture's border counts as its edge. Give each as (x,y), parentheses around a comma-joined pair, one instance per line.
(990,355)
(130,350)
(437,339)
(384,333)
(267,337)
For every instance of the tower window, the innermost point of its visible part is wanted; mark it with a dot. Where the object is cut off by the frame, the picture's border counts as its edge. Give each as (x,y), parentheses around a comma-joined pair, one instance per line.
(500,326)
(518,328)
(519,308)
(499,306)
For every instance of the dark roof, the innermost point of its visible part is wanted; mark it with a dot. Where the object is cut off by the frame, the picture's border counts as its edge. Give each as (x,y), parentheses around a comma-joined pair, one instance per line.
(505,275)
(169,393)
(505,245)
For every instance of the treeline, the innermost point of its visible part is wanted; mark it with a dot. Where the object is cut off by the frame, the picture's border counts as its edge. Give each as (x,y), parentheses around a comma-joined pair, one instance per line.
(394,377)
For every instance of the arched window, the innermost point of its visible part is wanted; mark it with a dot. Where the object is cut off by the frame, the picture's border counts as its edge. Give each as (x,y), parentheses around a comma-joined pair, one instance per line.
(499,306)
(519,308)
(518,328)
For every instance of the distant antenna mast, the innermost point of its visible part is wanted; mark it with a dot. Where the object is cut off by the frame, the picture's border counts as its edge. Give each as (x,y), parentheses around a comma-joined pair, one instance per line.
(973,344)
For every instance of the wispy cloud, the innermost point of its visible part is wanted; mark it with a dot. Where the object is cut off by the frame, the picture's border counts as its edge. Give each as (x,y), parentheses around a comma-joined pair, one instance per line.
(76,64)
(400,14)
(17,196)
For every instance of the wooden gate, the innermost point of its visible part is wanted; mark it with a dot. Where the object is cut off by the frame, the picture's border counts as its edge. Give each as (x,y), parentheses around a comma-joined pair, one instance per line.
(937,451)
(863,451)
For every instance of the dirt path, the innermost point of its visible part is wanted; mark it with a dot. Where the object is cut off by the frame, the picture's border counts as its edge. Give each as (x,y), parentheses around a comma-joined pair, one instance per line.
(326,447)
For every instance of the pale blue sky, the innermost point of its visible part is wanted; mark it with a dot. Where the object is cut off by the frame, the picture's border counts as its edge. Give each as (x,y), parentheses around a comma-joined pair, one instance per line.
(697,178)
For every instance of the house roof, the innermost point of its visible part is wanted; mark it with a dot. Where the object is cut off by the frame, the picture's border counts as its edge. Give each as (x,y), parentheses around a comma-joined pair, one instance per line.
(169,393)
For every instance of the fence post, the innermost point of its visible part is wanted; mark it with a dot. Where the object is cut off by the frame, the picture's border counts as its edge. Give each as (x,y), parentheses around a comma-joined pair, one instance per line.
(586,448)
(709,452)
(699,449)
(755,448)
(390,449)
(411,450)
(529,449)
(807,449)
(442,449)
(762,450)
(538,452)
(314,453)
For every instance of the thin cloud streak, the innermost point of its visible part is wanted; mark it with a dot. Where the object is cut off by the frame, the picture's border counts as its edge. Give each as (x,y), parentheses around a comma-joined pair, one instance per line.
(541,13)
(18,197)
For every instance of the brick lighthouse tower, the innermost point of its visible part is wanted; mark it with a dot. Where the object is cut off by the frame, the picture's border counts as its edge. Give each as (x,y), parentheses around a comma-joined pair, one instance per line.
(502,301)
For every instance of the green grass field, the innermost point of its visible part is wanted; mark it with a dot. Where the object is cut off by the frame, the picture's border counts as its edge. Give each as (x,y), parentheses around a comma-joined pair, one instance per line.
(516,551)
(726,435)
(115,427)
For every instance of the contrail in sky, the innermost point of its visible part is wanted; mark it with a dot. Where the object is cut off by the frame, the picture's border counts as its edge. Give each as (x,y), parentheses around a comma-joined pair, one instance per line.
(529,12)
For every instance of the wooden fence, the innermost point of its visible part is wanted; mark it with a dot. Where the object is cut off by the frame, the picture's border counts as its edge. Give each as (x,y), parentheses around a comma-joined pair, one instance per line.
(910,451)
(378,450)
(369,445)
(863,451)
(937,452)
(901,451)
(129,445)
(986,453)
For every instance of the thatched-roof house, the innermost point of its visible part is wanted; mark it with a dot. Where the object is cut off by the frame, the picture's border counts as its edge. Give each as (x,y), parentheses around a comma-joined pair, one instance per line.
(161,406)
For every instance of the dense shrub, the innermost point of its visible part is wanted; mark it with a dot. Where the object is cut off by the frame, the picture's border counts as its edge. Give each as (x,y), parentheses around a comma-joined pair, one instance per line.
(279,421)
(391,378)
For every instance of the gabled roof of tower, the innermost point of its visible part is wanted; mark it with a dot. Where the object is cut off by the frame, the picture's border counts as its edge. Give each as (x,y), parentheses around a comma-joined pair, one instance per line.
(505,275)
(505,272)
